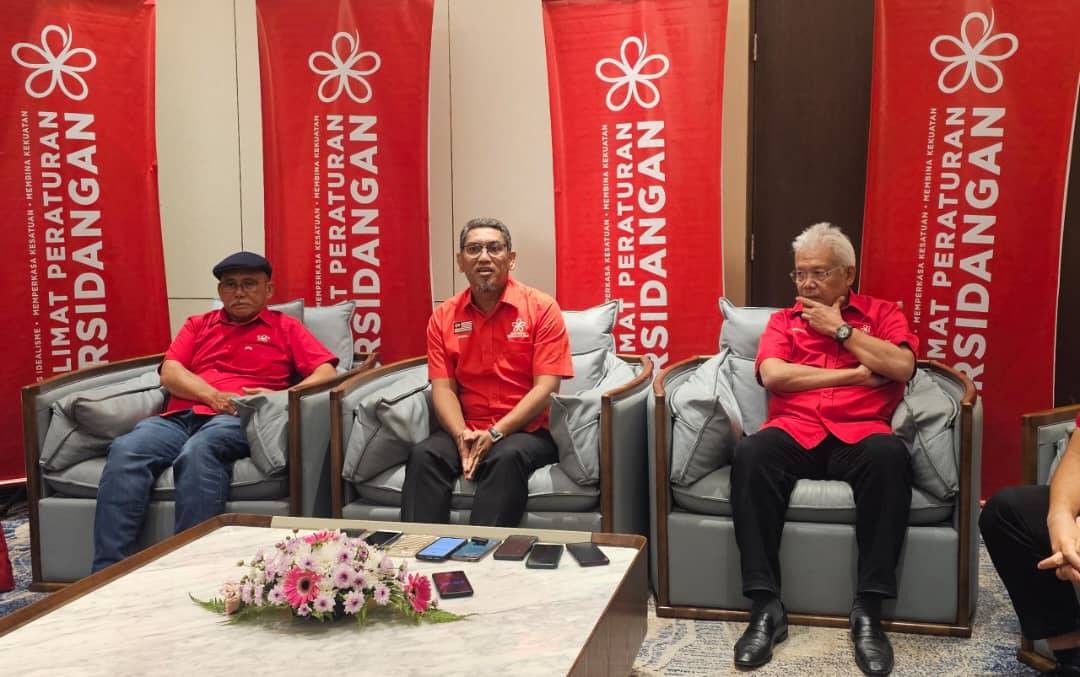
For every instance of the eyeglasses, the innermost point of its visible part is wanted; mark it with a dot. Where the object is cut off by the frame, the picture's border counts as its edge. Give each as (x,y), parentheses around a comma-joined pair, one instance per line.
(474,249)
(819,275)
(247,284)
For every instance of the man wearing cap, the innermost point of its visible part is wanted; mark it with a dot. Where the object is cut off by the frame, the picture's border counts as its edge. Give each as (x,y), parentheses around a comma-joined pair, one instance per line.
(496,353)
(244,348)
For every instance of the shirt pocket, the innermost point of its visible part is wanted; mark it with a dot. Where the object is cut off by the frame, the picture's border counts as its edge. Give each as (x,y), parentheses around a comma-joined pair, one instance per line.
(518,356)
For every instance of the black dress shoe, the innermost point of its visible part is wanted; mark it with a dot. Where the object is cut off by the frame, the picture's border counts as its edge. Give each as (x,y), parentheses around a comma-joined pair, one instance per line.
(1064,671)
(754,648)
(873,652)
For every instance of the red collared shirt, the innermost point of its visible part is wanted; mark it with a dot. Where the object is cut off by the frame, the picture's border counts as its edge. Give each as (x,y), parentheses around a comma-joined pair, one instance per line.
(493,358)
(851,413)
(271,351)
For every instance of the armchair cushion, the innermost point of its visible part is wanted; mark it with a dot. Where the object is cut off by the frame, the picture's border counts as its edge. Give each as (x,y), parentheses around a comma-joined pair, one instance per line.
(85,423)
(706,422)
(588,370)
(591,328)
(575,422)
(924,421)
(1059,451)
(388,423)
(742,328)
(265,418)
(331,325)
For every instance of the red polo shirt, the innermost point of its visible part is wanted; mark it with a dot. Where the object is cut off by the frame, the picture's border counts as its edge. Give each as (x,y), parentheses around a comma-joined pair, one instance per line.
(851,413)
(271,351)
(493,358)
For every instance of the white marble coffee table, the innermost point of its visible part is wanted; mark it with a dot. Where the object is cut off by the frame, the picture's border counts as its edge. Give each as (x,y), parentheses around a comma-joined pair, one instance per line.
(135,618)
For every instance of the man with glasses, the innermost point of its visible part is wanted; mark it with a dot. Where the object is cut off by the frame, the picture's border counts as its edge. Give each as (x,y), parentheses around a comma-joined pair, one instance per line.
(242,349)
(835,365)
(496,353)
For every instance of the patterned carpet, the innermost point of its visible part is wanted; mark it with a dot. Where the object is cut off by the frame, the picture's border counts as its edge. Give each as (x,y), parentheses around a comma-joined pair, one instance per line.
(686,647)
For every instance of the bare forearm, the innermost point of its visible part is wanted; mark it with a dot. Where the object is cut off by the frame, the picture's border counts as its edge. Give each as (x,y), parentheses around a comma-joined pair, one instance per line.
(182,383)
(535,402)
(780,376)
(1065,485)
(881,357)
(448,409)
(323,372)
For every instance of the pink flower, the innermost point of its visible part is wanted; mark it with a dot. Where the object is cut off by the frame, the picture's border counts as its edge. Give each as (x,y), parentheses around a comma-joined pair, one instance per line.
(276,596)
(324,603)
(303,610)
(320,537)
(382,594)
(418,592)
(308,562)
(353,602)
(343,576)
(345,554)
(301,586)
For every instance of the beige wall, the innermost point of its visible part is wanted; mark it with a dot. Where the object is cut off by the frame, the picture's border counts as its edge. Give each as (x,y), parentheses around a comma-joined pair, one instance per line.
(490,139)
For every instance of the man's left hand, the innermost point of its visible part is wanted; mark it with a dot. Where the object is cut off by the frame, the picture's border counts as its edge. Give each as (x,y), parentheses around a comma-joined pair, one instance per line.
(822,318)
(481,446)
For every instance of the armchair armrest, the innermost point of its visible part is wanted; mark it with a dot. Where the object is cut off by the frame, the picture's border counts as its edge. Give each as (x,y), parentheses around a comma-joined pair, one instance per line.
(1034,463)
(624,453)
(309,445)
(340,426)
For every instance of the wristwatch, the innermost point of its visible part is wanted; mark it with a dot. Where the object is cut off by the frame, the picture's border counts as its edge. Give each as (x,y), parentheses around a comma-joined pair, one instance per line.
(495,435)
(843,332)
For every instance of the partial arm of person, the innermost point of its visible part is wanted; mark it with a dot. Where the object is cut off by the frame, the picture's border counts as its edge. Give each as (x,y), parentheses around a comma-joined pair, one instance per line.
(1061,519)
(894,362)
(528,407)
(183,383)
(447,406)
(785,377)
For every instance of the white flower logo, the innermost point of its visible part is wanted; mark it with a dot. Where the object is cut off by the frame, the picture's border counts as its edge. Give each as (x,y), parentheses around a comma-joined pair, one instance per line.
(972,56)
(55,65)
(340,70)
(631,76)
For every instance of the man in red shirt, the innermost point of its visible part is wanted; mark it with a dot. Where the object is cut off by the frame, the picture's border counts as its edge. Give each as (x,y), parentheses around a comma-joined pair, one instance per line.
(496,353)
(835,365)
(242,349)
(1033,536)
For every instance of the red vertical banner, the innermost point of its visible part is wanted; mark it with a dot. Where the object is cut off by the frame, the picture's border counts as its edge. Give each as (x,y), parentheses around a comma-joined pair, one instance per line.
(971,126)
(345,139)
(636,94)
(84,278)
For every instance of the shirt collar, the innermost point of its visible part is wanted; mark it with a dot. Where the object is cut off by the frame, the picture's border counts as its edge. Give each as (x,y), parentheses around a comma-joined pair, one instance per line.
(512,295)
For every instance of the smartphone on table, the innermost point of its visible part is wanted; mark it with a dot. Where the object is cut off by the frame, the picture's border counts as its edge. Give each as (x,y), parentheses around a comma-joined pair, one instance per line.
(545,556)
(409,544)
(515,547)
(587,554)
(441,549)
(475,549)
(452,584)
(381,539)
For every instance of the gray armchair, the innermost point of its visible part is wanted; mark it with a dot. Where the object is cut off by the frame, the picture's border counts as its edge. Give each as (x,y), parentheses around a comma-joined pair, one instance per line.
(613,504)
(695,560)
(1044,436)
(62,498)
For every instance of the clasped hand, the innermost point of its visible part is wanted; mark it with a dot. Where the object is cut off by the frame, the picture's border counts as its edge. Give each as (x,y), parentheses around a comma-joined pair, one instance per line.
(222,402)
(472,446)
(1065,544)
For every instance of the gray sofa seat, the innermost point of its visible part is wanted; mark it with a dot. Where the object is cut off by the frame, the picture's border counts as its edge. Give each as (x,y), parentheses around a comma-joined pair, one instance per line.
(821,501)
(550,490)
(248,482)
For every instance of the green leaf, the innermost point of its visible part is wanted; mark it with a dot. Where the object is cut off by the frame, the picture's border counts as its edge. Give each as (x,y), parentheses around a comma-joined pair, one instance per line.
(215,604)
(440,616)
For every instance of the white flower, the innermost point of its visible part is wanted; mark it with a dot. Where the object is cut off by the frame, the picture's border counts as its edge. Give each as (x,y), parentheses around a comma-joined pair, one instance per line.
(633,70)
(353,602)
(276,595)
(55,65)
(340,71)
(972,57)
(343,576)
(324,603)
(381,594)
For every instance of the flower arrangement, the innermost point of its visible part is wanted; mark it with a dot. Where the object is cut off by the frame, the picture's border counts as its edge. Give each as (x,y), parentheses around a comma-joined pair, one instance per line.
(326,575)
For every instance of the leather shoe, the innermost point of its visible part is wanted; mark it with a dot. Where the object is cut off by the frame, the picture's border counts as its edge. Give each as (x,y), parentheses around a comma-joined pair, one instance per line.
(754,648)
(873,652)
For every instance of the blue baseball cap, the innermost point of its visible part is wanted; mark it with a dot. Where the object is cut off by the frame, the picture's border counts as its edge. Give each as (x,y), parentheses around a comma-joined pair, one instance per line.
(242,261)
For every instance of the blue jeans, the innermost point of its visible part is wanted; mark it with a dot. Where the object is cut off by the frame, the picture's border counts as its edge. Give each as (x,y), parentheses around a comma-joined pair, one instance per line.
(201,450)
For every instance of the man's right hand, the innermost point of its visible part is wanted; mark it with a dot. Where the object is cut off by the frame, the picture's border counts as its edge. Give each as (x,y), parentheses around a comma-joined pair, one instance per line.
(466,444)
(862,376)
(221,402)
(1065,546)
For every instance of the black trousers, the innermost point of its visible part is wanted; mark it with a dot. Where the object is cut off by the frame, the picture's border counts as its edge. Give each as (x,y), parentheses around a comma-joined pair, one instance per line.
(1013,526)
(502,478)
(768,463)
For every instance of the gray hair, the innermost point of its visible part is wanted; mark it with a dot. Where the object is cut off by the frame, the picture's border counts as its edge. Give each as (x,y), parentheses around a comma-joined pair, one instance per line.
(828,235)
(485,222)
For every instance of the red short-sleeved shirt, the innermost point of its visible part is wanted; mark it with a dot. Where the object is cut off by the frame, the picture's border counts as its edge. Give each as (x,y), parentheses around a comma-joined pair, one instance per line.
(851,413)
(272,351)
(494,358)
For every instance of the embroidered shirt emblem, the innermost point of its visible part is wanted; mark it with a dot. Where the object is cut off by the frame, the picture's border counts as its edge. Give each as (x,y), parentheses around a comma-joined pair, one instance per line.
(263,338)
(463,327)
(517,330)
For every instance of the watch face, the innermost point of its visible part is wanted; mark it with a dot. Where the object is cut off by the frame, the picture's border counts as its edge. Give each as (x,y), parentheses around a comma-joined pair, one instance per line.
(843,332)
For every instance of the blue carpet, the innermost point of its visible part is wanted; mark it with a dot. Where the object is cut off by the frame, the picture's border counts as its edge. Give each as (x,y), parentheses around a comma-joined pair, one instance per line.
(688,647)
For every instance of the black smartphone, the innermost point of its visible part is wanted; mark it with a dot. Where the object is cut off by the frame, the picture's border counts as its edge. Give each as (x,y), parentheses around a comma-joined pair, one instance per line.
(475,549)
(515,547)
(381,538)
(441,549)
(545,556)
(587,554)
(452,584)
